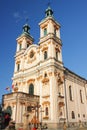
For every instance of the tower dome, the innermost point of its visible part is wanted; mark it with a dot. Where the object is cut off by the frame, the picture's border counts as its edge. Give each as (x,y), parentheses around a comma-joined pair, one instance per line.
(49,12)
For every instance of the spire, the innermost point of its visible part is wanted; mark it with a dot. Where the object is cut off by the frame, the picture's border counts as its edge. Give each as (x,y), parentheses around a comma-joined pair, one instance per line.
(49,11)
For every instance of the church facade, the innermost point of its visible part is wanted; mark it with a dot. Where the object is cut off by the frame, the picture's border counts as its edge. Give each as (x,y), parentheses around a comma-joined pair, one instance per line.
(44,91)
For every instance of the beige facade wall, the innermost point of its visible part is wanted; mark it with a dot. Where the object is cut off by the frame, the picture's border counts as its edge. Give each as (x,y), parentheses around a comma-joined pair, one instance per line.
(79,108)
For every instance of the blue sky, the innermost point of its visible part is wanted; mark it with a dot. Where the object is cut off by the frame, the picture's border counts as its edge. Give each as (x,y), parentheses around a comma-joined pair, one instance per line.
(71,14)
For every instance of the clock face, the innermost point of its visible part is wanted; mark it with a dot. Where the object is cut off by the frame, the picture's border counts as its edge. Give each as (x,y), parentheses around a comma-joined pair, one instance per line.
(31,54)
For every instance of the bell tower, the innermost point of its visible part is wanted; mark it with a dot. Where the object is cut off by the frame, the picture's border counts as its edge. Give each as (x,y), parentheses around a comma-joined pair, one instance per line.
(49,25)
(23,42)
(50,34)
(53,81)
(25,39)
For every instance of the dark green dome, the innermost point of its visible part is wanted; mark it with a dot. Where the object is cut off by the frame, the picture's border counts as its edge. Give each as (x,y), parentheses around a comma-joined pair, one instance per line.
(26,28)
(49,12)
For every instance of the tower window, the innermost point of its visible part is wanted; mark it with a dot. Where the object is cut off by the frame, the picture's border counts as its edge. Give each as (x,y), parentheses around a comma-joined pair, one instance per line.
(56,55)
(27,45)
(54,32)
(70,92)
(47,13)
(20,47)
(18,67)
(45,31)
(45,55)
(31,89)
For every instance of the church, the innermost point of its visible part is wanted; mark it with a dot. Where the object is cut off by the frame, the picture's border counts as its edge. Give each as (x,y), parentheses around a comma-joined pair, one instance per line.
(44,90)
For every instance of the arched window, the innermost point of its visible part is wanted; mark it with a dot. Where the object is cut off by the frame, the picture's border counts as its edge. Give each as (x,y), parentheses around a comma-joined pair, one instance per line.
(70,92)
(45,55)
(81,96)
(73,115)
(9,110)
(31,89)
(46,111)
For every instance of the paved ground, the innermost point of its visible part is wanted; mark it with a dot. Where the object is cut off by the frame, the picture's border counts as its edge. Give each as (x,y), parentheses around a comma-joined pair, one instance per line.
(71,129)
(82,129)
(60,129)
(76,129)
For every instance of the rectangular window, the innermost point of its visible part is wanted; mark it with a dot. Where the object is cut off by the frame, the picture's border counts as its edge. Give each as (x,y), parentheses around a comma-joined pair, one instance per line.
(29,109)
(81,99)
(56,55)
(18,67)
(45,31)
(46,111)
(73,115)
(70,93)
(54,32)
(20,47)
(84,115)
(27,45)
(45,55)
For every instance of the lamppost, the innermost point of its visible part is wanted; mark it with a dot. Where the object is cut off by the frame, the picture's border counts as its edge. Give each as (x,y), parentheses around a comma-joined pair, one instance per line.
(36,108)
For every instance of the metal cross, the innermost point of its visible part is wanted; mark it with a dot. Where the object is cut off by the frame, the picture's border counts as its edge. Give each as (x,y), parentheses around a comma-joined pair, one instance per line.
(49,3)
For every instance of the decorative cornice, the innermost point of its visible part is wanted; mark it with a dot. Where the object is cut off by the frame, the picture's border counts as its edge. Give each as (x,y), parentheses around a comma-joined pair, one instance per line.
(61,104)
(13,103)
(31,81)
(47,96)
(46,117)
(45,80)
(46,102)
(16,89)
(44,48)
(18,61)
(40,77)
